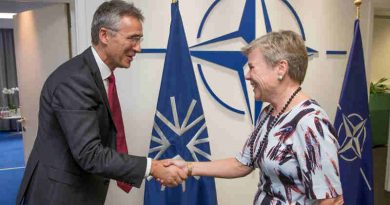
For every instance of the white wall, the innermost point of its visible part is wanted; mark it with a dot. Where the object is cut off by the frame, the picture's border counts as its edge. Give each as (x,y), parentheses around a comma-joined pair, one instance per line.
(381,4)
(381,7)
(36,57)
(328,26)
(380,65)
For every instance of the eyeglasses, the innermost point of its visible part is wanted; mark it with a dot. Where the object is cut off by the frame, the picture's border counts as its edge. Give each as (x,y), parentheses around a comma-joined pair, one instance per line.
(133,40)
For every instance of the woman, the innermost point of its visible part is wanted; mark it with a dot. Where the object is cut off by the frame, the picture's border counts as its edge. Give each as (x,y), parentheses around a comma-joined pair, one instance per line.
(293,144)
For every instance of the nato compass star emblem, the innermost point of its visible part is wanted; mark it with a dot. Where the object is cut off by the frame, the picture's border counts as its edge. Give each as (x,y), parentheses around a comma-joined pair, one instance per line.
(233,59)
(190,132)
(354,130)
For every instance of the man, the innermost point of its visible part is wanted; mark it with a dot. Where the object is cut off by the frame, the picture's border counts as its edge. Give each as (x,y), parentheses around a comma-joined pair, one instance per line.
(80,123)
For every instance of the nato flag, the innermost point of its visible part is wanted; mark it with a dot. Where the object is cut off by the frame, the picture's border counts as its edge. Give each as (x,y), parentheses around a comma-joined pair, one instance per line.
(179,129)
(354,130)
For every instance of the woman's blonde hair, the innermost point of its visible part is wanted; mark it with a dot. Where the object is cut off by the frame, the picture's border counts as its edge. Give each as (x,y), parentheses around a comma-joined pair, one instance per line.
(283,45)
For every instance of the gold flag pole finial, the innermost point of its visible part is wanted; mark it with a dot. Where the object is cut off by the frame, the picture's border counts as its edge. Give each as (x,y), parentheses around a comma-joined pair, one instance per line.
(357,4)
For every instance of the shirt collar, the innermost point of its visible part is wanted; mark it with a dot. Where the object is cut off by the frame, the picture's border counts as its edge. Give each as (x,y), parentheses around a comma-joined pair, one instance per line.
(105,71)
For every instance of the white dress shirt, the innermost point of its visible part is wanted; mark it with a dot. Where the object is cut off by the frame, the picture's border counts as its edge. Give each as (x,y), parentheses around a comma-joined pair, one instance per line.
(105,72)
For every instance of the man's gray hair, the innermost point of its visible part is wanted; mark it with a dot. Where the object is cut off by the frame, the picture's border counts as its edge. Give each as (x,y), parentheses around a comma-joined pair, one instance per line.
(283,45)
(109,14)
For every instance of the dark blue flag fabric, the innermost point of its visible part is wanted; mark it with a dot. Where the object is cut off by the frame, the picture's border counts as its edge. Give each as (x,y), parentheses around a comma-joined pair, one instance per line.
(353,126)
(179,129)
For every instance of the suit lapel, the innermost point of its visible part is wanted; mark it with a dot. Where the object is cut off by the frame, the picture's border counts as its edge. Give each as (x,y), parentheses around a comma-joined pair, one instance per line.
(91,62)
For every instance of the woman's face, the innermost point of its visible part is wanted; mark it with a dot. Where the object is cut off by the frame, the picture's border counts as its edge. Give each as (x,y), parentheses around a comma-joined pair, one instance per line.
(262,76)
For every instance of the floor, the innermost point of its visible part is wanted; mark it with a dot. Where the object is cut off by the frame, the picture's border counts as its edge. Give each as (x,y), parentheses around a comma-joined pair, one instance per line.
(381,197)
(11,166)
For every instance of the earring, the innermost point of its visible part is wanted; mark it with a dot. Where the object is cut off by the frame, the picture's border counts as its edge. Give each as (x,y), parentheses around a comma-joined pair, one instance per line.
(280,77)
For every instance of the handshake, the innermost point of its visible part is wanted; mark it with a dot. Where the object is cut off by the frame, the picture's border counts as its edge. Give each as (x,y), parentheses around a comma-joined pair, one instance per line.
(170,172)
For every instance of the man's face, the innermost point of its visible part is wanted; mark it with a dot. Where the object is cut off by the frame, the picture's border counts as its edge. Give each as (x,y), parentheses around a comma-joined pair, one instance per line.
(123,44)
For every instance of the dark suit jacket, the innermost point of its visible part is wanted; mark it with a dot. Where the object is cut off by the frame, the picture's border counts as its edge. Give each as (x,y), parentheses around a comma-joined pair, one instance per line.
(74,154)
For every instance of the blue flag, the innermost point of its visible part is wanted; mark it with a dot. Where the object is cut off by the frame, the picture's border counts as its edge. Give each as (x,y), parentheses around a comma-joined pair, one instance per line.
(179,129)
(353,126)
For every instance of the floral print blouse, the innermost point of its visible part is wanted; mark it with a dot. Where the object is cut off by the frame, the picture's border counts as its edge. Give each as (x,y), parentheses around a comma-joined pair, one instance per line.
(300,162)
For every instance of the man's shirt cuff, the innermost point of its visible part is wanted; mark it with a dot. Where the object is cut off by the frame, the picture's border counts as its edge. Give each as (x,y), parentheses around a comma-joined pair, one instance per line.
(148,166)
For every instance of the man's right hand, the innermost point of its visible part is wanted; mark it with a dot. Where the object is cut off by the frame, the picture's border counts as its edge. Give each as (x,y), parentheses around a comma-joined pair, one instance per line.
(169,176)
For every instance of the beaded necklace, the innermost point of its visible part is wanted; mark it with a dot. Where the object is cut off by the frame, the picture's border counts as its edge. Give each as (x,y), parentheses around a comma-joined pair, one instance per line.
(264,142)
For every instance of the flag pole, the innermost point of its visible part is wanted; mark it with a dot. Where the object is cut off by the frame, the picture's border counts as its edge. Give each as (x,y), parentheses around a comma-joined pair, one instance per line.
(357,4)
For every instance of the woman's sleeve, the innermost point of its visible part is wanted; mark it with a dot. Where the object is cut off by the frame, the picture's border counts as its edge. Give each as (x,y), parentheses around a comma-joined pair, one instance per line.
(316,151)
(244,155)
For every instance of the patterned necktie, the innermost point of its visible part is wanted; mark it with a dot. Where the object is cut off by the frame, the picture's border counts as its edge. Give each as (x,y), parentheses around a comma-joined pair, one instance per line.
(116,113)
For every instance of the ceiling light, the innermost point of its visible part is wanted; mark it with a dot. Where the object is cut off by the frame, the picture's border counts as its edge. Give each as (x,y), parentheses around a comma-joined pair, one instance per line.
(7,15)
